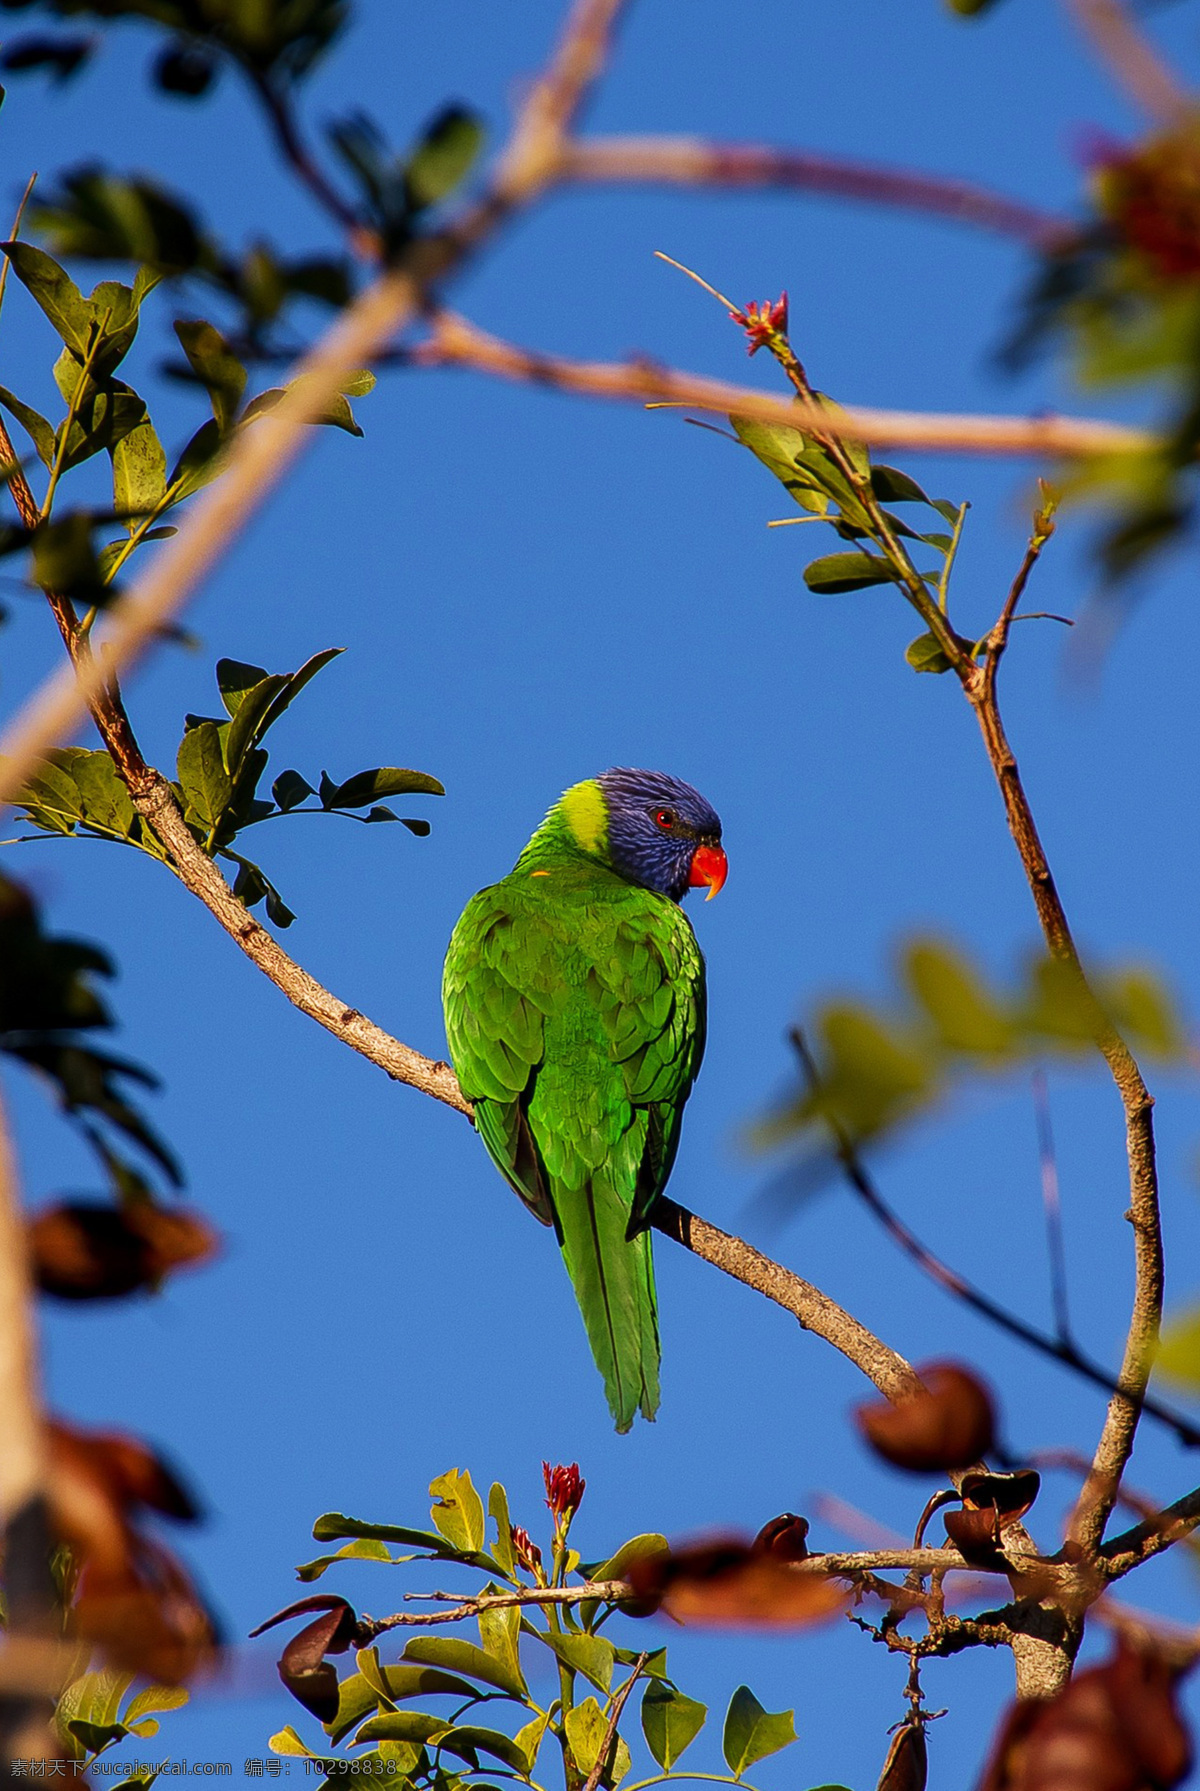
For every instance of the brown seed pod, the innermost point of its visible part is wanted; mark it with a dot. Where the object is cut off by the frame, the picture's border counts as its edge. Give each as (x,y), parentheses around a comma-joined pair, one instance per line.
(310,1678)
(948,1426)
(990,1502)
(83,1250)
(907,1765)
(1115,1727)
(785,1537)
(727,1581)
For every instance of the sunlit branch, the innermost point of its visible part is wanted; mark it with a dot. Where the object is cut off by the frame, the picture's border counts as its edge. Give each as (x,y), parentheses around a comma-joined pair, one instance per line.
(694,161)
(457,343)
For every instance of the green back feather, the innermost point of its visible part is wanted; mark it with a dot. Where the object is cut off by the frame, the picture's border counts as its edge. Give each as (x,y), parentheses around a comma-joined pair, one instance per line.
(575,1017)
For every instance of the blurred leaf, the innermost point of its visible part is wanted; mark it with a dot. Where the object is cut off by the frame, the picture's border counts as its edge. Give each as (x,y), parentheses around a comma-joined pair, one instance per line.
(1179,1353)
(62,56)
(64,558)
(444,156)
(100,216)
(186,69)
(670,1722)
(216,367)
(962,1010)
(752,1733)
(1141,1005)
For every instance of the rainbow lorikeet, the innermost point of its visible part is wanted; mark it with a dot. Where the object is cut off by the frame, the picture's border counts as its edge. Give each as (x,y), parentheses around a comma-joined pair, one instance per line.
(575,1012)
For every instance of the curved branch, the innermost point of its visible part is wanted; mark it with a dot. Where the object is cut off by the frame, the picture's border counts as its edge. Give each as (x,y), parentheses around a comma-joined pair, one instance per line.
(694,162)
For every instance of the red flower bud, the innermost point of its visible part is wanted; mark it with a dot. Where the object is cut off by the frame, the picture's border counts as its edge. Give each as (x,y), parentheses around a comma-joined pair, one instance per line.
(763,321)
(529,1555)
(564,1490)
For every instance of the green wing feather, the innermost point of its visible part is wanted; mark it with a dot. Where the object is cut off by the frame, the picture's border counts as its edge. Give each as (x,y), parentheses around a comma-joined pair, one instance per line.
(575,1019)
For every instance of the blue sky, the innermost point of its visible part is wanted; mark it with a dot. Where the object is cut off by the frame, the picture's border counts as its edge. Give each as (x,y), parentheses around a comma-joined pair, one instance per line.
(530,588)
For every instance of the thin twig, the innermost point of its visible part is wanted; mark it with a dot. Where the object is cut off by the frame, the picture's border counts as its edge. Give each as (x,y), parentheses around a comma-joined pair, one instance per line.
(1061,1350)
(610,1733)
(16,231)
(1052,1206)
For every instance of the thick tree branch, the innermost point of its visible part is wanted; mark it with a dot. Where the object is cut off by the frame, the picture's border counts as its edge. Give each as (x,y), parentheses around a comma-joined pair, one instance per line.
(694,161)
(457,343)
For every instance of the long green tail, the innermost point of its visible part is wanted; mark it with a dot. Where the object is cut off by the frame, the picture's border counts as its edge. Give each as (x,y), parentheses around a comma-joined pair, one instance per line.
(614,1284)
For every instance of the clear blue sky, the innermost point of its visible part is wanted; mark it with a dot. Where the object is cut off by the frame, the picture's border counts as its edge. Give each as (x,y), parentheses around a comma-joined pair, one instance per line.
(530,588)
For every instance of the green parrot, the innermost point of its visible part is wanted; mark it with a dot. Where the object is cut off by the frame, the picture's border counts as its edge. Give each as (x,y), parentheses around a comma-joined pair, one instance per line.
(575,1014)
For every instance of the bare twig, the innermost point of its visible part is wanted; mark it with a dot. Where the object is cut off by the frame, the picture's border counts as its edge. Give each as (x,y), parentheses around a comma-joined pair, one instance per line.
(614,1717)
(455,342)
(1134,64)
(1154,1534)
(1057,1348)
(1052,1206)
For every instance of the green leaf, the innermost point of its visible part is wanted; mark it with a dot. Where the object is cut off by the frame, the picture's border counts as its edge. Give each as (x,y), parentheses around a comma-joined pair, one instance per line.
(107,805)
(95,1737)
(235,681)
(250,722)
(1179,1354)
(530,1738)
(290,789)
(297,681)
(55,292)
(403,1725)
(362,1549)
(39,431)
(386,780)
(497,1508)
(102,420)
(964,1013)
(207,785)
(200,462)
(586,1726)
(839,572)
(457,1509)
(1140,1004)
(752,1733)
(670,1722)
(92,1699)
(891,486)
(337,411)
(333,1525)
(464,1657)
(64,558)
(216,367)
(288,1742)
(139,465)
(154,1698)
(590,1655)
(925,655)
(443,159)
(500,1633)
(467,1740)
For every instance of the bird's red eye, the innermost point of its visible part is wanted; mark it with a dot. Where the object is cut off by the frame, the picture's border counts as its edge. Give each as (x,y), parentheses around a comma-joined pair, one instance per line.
(665,818)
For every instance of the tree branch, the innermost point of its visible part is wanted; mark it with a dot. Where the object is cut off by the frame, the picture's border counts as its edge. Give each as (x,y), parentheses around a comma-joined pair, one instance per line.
(1116,1440)
(694,161)
(1132,61)
(457,343)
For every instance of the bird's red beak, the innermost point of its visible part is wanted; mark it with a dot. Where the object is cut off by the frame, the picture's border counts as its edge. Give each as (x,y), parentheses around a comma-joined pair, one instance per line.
(709,866)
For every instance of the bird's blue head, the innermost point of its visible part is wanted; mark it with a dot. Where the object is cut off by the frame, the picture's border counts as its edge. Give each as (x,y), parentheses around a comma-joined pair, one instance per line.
(660,832)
